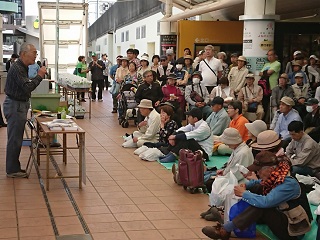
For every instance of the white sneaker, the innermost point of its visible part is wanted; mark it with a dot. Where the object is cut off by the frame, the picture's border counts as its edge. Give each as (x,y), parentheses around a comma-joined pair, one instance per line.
(140,150)
(100,100)
(129,144)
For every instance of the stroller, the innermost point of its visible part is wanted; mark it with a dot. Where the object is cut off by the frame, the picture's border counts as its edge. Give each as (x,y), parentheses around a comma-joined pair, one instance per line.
(127,105)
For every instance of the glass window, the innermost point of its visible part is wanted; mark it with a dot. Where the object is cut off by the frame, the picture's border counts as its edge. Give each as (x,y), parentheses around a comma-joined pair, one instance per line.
(143,31)
(138,33)
(127,35)
(122,37)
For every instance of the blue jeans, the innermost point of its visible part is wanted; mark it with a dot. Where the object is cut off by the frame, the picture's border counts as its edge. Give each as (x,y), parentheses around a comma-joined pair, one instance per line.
(16,115)
(302,170)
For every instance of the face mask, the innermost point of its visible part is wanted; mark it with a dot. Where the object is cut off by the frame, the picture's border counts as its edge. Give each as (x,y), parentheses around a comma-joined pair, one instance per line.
(179,66)
(309,109)
(195,80)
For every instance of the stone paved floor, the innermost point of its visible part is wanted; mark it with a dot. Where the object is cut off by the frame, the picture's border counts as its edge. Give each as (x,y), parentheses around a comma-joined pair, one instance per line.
(124,198)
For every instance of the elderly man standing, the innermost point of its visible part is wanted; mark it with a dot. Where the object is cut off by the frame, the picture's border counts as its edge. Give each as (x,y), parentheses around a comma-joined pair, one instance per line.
(15,107)
(287,115)
(211,69)
(96,67)
(147,129)
(237,75)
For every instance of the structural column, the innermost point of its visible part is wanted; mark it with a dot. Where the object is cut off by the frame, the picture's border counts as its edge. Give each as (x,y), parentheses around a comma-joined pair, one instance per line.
(258,32)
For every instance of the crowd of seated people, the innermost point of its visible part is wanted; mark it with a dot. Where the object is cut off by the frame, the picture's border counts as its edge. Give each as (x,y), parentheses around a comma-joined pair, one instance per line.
(181,108)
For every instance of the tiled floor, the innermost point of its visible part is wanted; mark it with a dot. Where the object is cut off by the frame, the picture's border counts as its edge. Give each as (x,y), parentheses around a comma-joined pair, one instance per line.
(124,198)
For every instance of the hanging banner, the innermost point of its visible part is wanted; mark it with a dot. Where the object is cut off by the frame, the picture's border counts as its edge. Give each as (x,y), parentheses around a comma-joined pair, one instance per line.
(168,42)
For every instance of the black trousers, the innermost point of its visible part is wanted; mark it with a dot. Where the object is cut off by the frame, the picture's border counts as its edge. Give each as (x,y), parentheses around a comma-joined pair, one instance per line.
(94,84)
(106,81)
(190,144)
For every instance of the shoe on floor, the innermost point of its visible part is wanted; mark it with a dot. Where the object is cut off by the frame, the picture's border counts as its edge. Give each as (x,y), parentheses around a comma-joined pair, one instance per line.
(216,232)
(100,100)
(202,215)
(3,125)
(114,111)
(93,100)
(82,100)
(17,175)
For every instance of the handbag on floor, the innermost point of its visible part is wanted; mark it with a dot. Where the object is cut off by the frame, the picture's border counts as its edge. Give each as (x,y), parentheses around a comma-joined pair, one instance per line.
(191,170)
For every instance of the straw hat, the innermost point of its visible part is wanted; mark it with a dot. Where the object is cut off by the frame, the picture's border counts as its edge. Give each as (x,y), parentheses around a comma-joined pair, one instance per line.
(266,140)
(188,57)
(231,136)
(256,127)
(145,103)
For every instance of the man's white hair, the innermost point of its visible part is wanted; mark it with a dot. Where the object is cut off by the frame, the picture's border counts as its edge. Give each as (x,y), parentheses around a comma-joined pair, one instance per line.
(25,47)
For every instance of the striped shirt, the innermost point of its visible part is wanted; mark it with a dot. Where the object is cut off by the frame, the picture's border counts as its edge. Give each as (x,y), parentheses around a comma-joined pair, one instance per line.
(18,85)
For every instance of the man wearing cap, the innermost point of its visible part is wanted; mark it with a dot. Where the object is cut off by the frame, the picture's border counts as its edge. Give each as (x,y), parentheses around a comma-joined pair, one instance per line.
(197,96)
(271,69)
(96,67)
(287,115)
(165,68)
(301,92)
(170,56)
(251,97)
(311,121)
(272,200)
(237,75)
(303,151)
(312,74)
(198,59)
(147,129)
(297,55)
(195,136)
(210,68)
(234,61)
(283,89)
(297,66)
(218,120)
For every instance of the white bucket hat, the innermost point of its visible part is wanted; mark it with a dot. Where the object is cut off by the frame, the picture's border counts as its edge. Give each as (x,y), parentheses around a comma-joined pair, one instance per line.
(256,127)
(231,136)
(145,103)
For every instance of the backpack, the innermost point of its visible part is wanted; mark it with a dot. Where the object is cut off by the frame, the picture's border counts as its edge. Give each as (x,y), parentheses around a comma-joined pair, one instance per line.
(265,85)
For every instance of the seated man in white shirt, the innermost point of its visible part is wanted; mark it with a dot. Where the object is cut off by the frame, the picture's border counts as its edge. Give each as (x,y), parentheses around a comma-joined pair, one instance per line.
(195,136)
(148,129)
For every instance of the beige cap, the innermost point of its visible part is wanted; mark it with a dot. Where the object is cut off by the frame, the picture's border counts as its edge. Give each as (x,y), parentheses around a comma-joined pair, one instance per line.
(284,75)
(266,140)
(288,101)
(145,103)
(242,58)
(250,75)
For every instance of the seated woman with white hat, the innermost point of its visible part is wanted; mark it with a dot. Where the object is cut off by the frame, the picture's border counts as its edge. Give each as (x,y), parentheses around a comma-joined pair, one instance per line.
(147,129)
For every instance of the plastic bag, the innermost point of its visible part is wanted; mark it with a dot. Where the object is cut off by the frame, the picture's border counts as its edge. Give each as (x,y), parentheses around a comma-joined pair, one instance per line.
(152,154)
(307,180)
(222,186)
(140,150)
(314,196)
(235,210)
(231,199)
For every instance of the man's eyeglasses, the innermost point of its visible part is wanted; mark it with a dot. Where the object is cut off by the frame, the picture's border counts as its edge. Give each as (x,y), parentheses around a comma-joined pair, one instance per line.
(149,75)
